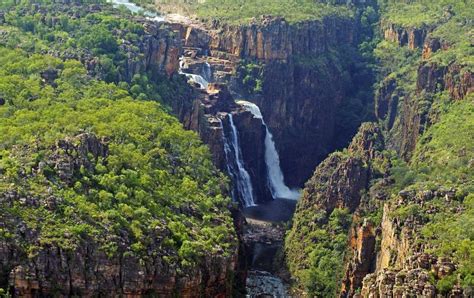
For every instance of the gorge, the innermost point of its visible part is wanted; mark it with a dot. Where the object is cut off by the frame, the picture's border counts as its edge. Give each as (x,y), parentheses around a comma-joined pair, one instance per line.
(222,148)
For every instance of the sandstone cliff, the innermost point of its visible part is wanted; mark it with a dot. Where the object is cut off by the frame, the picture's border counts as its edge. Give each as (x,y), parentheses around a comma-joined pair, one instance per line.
(300,97)
(338,184)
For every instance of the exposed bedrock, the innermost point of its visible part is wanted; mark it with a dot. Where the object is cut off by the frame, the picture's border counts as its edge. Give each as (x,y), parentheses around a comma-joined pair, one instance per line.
(406,119)
(210,118)
(406,114)
(252,141)
(300,108)
(299,100)
(413,37)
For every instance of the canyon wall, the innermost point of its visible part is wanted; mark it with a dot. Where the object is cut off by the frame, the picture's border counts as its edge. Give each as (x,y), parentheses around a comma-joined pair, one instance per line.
(332,199)
(405,112)
(302,92)
(391,248)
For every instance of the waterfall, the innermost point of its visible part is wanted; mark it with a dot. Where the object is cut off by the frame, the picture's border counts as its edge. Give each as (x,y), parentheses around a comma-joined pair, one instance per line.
(275,176)
(195,78)
(235,165)
(207,72)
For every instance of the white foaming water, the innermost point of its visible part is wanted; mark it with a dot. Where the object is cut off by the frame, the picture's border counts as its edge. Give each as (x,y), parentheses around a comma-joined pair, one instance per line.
(275,176)
(198,79)
(207,73)
(195,78)
(240,175)
(137,9)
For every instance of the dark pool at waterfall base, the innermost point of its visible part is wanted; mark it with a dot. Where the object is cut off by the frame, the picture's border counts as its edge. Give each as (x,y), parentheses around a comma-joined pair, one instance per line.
(278,210)
(261,280)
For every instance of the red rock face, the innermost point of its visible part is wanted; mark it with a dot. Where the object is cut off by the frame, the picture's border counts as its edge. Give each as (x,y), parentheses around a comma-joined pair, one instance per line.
(272,38)
(411,36)
(87,274)
(362,249)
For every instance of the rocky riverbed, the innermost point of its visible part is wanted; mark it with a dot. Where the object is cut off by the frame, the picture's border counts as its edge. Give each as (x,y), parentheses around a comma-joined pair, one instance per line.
(264,234)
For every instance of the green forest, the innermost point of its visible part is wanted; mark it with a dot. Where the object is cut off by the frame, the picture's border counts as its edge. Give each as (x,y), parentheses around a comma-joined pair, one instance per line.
(101,185)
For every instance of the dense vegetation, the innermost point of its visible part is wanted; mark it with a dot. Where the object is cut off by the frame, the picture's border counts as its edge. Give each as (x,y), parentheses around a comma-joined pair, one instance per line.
(87,156)
(316,248)
(87,150)
(243,11)
(293,11)
(444,160)
(440,165)
(154,177)
(451,21)
(109,41)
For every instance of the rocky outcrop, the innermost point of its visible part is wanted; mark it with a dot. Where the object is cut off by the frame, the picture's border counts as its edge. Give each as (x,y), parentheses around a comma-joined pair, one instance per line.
(339,182)
(342,183)
(272,38)
(412,37)
(455,78)
(404,266)
(158,50)
(412,283)
(268,38)
(252,142)
(89,273)
(209,119)
(204,117)
(432,45)
(362,249)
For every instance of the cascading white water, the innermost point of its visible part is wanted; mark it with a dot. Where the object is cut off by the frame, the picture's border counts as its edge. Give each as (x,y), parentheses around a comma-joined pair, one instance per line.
(275,176)
(240,176)
(198,79)
(207,72)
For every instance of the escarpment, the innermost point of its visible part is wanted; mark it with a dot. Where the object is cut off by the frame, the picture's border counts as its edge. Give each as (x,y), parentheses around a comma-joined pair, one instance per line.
(298,93)
(413,37)
(114,197)
(102,191)
(397,234)
(332,200)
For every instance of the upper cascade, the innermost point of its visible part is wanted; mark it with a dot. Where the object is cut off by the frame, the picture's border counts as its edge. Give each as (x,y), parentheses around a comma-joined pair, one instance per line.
(201,80)
(275,175)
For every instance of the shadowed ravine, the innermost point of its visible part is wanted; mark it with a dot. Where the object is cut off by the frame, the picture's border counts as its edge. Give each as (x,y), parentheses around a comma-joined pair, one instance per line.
(263,238)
